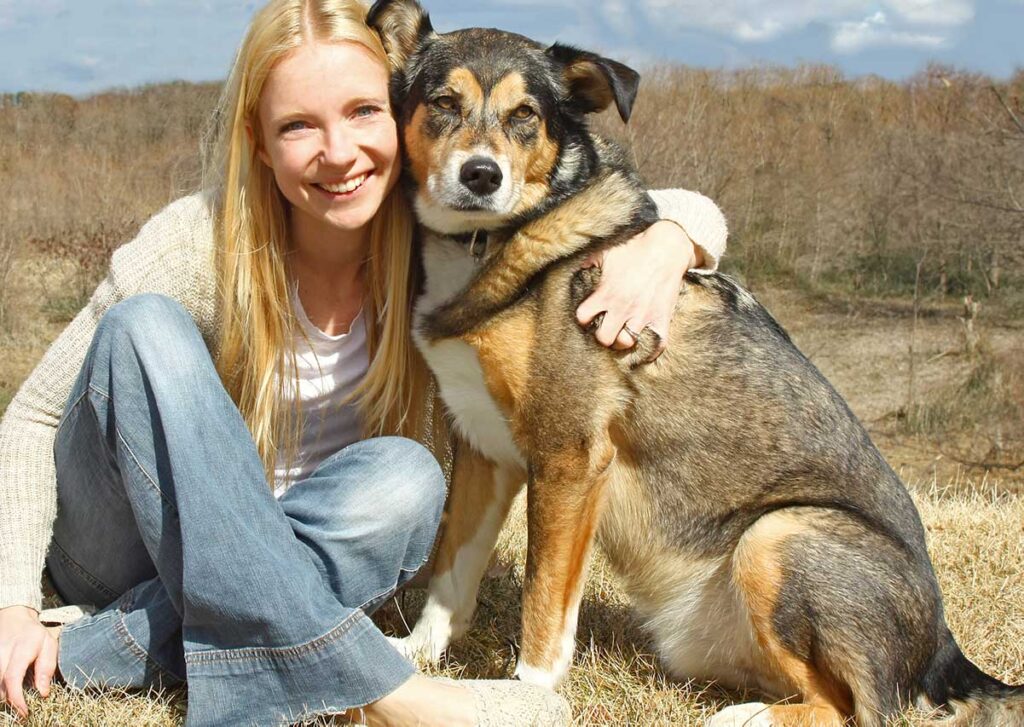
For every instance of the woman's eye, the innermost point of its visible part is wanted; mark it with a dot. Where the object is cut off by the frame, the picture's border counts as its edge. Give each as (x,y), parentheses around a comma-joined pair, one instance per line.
(293,126)
(523,113)
(367,110)
(446,103)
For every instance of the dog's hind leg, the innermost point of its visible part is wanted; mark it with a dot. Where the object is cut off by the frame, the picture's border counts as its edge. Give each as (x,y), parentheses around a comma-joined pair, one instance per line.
(845,617)
(565,499)
(478,503)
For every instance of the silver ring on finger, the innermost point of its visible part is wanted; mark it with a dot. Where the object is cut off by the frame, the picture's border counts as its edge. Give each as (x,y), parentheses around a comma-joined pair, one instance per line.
(635,336)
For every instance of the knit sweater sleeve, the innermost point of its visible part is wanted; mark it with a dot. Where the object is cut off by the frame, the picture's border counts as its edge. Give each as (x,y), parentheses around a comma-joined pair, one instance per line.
(700,218)
(167,256)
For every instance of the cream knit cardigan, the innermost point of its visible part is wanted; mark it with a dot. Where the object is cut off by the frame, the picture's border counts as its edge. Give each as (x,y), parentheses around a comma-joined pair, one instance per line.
(172,255)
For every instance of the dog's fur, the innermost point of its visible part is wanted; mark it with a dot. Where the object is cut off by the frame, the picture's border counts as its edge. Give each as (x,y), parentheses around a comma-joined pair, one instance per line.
(751,520)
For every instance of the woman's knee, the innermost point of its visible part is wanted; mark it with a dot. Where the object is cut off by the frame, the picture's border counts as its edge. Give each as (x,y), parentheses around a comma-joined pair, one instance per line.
(407,476)
(148,318)
(393,481)
(154,329)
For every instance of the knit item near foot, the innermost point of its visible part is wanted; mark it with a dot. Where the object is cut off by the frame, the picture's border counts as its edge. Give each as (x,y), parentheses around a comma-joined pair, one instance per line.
(511,703)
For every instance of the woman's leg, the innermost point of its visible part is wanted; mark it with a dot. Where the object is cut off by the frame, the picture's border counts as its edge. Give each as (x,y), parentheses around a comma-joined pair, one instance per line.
(265,638)
(368,516)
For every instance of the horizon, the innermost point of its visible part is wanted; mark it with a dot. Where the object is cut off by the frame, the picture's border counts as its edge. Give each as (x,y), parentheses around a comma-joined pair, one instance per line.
(642,68)
(84,48)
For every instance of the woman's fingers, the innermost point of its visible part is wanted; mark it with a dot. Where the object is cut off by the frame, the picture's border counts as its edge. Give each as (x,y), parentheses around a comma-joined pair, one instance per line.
(45,666)
(24,642)
(589,310)
(625,340)
(607,333)
(639,287)
(14,677)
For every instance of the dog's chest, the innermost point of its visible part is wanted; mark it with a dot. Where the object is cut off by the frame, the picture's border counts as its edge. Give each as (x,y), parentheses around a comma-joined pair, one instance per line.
(456,364)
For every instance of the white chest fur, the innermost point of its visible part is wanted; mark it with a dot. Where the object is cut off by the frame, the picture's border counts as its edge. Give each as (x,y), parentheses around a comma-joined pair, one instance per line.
(449,268)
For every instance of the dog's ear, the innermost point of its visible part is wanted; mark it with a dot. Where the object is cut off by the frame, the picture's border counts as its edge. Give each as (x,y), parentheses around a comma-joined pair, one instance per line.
(403,25)
(594,82)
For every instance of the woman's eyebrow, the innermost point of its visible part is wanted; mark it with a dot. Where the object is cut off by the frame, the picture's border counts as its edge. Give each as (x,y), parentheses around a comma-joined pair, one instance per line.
(368,99)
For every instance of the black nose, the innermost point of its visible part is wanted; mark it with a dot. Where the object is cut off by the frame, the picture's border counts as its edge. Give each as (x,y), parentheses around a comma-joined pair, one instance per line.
(481,175)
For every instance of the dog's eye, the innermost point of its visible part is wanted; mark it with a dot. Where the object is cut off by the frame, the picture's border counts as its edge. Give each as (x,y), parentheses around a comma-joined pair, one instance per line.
(446,103)
(523,113)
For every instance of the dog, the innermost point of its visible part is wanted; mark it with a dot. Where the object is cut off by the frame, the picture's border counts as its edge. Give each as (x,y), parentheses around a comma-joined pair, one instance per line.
(756,528)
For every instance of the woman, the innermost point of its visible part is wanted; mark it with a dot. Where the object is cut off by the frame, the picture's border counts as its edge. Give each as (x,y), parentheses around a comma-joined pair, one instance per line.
(279,334)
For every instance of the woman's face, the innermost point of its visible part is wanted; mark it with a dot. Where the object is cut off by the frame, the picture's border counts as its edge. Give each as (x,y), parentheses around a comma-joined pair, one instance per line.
(328,135)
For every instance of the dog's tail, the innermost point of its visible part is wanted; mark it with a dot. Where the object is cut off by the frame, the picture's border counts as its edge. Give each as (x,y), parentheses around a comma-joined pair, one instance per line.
(971,696)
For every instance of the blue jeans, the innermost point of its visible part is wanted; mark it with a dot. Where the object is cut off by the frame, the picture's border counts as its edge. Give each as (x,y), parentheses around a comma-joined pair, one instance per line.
(166,521)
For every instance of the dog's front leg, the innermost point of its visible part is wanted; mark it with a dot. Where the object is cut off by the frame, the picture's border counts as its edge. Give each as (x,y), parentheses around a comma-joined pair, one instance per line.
(478,503)
(565,498)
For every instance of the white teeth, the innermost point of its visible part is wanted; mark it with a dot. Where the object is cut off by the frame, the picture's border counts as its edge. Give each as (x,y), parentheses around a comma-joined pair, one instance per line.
(346,187)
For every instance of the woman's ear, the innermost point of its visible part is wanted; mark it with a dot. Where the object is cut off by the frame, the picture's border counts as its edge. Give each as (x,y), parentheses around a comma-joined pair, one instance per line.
(594,82)
(403,25)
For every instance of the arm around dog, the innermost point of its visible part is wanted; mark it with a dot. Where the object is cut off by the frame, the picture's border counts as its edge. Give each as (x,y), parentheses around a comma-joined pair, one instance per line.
(641,278)
(699,218)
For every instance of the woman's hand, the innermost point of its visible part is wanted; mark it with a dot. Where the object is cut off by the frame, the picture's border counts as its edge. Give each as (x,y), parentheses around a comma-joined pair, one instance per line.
(24,644)
(639,287)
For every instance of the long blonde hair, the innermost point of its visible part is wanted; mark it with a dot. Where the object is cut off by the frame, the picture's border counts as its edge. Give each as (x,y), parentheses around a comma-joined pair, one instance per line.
(255,343)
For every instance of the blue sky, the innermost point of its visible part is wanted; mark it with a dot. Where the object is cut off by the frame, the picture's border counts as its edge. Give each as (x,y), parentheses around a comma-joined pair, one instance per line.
(83,46)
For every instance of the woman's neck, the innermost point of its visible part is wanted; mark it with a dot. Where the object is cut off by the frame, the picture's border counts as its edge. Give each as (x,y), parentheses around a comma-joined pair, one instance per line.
(327,264)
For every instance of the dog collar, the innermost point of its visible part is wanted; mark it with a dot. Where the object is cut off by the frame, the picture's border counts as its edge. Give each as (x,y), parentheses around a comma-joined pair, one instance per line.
(476,241)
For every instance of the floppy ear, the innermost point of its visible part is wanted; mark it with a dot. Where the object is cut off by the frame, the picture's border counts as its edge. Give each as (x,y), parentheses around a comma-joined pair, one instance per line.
(594,82)
(402,25)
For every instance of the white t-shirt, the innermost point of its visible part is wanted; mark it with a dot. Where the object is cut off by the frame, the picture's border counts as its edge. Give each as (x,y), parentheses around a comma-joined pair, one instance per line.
(329,368)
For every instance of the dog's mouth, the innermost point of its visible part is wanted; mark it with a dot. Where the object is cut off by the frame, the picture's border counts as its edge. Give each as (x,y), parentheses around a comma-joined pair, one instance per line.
(458,214)
(471,204)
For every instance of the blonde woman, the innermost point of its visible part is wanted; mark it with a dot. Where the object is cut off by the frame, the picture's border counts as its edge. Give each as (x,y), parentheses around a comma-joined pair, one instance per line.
(232,451)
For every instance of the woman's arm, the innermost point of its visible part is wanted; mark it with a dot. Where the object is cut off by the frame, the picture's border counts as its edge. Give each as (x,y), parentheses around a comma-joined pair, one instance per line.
(640,279)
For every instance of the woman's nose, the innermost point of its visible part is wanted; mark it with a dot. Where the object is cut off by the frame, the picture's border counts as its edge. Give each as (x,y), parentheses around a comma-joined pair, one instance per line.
(340,148)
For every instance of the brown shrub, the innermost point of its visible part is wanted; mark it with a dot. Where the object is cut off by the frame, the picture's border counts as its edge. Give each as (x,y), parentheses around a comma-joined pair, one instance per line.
(830,182)
(79,177)
(827,182)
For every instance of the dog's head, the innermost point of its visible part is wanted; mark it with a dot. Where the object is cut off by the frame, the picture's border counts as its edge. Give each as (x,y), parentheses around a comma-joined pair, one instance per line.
(492,122)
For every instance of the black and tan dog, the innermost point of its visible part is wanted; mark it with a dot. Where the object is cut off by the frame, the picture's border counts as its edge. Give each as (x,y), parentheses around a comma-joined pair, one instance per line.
(753,523)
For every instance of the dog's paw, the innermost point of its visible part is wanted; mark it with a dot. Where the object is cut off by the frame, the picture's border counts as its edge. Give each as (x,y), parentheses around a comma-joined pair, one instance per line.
(416,650)
(754,714)
(538,677)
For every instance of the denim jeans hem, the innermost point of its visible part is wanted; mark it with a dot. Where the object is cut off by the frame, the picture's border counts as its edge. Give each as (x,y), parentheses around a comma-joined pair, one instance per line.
(350,666)
(100,652)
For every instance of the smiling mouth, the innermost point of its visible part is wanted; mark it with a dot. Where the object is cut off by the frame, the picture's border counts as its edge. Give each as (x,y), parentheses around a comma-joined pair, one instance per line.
(343,187)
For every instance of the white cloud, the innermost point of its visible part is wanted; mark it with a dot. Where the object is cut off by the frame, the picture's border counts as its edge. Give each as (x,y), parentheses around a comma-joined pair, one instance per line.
(618,15)
(854,22)
(934,12)
(874,30)
(41,11)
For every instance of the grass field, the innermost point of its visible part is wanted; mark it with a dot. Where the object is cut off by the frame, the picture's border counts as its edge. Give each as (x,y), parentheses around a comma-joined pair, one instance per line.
(821,232)
(974,517)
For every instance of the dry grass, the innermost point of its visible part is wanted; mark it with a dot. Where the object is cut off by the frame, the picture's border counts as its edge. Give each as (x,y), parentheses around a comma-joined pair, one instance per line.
(976,539)
(78,178)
